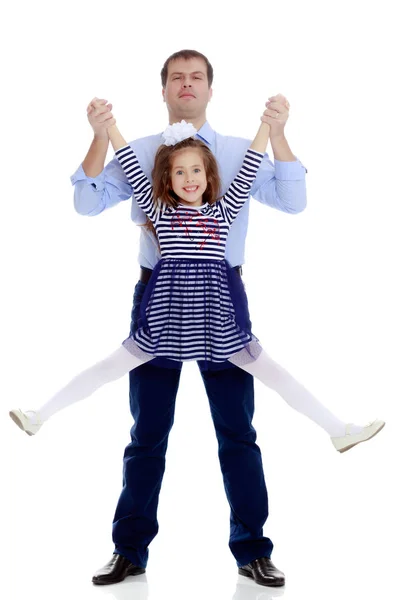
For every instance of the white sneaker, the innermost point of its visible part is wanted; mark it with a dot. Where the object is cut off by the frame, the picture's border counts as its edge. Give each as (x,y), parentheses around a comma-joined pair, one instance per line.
(23,422)
(352,439)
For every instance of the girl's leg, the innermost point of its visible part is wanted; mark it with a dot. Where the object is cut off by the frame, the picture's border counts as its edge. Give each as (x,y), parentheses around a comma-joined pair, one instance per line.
(296,395)
(83,385)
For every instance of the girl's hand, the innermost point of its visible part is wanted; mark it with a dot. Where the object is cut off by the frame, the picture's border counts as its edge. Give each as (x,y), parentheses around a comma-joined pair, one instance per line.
(100,117)
(276,114)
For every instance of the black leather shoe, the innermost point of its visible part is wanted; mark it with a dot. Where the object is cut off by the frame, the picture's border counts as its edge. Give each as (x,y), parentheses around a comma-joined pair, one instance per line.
(116,570)
(264,572)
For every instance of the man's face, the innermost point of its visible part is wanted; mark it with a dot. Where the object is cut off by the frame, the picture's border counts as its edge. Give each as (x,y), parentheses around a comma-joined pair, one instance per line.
(186,91)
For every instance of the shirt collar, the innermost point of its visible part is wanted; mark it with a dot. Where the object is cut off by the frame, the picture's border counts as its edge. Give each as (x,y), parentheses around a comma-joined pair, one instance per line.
(206,134)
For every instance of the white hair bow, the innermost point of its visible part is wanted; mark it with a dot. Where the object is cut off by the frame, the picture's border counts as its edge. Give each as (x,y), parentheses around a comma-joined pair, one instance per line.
(178,132)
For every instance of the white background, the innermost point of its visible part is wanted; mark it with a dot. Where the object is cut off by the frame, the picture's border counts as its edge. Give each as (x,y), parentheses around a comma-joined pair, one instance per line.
(322,287)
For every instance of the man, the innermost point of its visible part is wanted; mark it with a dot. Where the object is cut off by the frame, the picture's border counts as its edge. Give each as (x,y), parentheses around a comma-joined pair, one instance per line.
(186,88)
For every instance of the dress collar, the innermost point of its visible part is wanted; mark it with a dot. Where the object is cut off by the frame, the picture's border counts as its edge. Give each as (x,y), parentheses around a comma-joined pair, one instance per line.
(203,208)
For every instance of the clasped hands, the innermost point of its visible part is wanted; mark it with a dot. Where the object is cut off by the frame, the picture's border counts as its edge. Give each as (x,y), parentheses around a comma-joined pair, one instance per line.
(276,114)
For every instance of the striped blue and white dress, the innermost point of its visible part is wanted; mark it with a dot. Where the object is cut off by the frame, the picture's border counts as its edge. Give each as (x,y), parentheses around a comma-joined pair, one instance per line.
(194,306)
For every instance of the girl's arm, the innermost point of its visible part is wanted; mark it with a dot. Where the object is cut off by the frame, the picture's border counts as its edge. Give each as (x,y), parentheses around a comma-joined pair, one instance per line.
(261,140)
(142,187)
(116,138)
(239,190)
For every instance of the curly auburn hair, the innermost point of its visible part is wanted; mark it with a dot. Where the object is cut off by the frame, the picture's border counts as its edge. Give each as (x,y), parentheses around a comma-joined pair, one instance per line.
(161,174)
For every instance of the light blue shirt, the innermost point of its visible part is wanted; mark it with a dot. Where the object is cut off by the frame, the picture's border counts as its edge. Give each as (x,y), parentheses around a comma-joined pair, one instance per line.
(280,185)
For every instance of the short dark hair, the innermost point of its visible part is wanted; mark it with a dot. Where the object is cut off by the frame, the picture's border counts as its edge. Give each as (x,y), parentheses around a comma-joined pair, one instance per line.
(187,55)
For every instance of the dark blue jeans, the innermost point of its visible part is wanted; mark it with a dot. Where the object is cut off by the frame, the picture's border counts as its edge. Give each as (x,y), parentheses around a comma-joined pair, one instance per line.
(153,391)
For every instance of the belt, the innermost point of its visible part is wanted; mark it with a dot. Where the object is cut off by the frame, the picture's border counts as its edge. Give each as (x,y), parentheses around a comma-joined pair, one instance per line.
(145,273)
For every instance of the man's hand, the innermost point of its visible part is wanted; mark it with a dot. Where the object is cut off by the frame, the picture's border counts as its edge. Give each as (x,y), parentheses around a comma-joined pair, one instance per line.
(100,117)
(276,114)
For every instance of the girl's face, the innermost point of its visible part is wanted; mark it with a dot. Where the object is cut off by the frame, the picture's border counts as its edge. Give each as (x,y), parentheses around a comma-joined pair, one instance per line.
(188,177)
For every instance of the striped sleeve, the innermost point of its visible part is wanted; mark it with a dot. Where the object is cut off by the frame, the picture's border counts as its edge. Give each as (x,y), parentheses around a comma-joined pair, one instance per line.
(239,190)
(142,187)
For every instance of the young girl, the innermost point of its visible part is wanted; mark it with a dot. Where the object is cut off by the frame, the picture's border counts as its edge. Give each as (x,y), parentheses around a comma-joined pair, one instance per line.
(194,306)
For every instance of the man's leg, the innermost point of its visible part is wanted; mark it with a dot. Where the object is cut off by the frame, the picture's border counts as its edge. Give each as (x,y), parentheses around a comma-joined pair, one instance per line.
(231,396)
(152,399)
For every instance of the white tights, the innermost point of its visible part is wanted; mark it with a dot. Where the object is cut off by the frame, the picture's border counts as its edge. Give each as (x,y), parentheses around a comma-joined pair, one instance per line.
(296,395)
(113,367)
(264,368)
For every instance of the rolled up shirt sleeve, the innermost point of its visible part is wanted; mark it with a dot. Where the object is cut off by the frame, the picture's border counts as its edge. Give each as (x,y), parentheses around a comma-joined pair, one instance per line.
(92,195)
(281,185)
